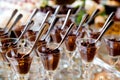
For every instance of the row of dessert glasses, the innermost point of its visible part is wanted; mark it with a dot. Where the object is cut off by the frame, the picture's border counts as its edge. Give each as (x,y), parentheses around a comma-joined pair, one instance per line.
(49,57)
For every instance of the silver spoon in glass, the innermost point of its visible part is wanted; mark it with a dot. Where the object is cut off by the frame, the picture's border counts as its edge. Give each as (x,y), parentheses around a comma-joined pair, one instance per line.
(85,16)
(27,25)
(107,26)
(13,14)
(92,16)
(52,23)
(68,30)
(14,23)
(36,40)
(66,19)
(108,19)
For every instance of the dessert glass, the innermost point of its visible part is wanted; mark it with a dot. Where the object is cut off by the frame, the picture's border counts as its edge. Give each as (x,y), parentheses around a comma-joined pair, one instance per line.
(70,47)
(20,65)
(50,59)
(113,47)
(4,42)
(88,50)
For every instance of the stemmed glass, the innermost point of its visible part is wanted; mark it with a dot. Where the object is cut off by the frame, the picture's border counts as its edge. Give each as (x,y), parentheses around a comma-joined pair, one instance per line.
(113,47)
(36,58)
(20,65)
(70,48)
(50,59)
(3,49)
(88,49)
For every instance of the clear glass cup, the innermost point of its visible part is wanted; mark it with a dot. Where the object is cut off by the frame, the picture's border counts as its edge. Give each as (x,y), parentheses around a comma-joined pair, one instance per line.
(50,59)
(88,50)
(113,47)
(36,58)
(6,46)
(20,65)
(56,35)
(70,47)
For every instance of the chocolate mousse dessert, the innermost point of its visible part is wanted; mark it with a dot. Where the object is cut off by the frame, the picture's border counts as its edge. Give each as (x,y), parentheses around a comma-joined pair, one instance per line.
(21,65)
(56,35)
(6,46)
(113,46)
(70,42)
(94,35)
(88,50)
(17,30)
(50,58)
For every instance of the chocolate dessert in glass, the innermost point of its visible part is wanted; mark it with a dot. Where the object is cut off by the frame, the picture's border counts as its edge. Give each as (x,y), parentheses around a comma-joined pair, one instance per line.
(56,35)
(6,46)
(88,49)
(50,59)
(113,47)
(20,65)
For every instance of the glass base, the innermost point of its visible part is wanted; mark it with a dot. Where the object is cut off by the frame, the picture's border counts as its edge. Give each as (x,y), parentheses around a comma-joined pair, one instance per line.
(21,77)
(50,75)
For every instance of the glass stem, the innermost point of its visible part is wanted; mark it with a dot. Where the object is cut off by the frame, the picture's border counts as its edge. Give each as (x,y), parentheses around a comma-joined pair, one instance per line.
(70,64)
(87,72)
(50,75)
(116,61)
(71,60)
(23,77)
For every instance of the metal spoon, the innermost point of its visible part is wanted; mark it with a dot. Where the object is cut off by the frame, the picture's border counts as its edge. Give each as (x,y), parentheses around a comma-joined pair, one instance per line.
(104,30)
(27,25)
(30,25)
(42,27)
(78,10)
(36,40)
(66,19)
(16,20)
(46,17)
(52,23)
(92,16)
(106,22)
(108,19)
(68,30)
(85,16)
(13,14)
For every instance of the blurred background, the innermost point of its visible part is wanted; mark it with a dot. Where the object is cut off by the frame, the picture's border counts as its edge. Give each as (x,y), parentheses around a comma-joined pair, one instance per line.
(26,6)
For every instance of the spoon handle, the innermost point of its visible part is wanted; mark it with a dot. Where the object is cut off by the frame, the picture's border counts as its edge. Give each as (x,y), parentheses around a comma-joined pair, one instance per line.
(32,15)
(38,36)
(104,30)
(16,20)
(42,27)
(57,10)
(52,23)
(36,40)
(66,19)
(27,25)
(13,14)
(85,16)
(108,19)
(93,15)
(78,10)
(46,17)
(68,30)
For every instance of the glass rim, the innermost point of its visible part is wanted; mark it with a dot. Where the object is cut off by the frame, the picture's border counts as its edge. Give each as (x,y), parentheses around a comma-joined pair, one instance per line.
(9,51)
(84,39)
(79,40)
(37,49)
